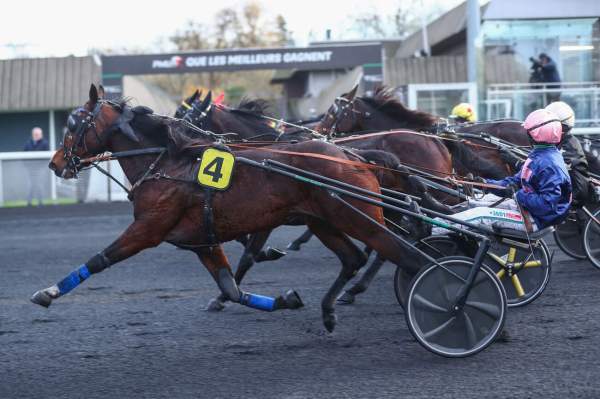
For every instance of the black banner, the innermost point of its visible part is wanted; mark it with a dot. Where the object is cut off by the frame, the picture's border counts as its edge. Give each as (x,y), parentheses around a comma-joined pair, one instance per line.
(307,58)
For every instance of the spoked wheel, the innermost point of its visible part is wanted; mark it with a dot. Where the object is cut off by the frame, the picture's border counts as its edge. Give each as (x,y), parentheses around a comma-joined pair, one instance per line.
(435,246)
(591,239)
(448,330)
(524,272)
(569,236)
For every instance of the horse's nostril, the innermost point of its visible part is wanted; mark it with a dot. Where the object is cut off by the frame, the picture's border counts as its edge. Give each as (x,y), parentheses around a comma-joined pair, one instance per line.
(52,166)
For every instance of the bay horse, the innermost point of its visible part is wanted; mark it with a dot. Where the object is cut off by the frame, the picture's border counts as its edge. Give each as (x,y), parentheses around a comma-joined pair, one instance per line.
(170,207)
(248,122)
(382,111)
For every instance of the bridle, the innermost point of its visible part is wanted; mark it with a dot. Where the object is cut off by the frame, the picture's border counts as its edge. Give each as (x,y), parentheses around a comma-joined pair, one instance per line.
(343,108)
(197,116)
(77,129)
(78,126)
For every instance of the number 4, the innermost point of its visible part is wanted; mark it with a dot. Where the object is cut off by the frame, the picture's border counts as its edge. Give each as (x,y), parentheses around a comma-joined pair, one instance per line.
(213,169)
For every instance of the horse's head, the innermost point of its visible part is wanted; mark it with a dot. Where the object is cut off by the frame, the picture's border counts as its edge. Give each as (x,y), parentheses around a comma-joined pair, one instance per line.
(88,133)
(341,116)
(186,104)
(199,113)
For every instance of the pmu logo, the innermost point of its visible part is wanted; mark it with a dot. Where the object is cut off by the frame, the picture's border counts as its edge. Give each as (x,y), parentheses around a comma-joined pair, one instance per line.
(173,62)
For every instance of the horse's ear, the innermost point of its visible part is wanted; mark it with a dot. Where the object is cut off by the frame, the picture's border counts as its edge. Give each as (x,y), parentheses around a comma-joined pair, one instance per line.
(206,101)
(351,94)
(191,99)
(100,91)
(93,95)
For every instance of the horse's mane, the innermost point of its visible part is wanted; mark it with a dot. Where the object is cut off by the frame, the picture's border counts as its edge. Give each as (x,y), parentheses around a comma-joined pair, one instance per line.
(256,107)
(385,101)
(253,111)
(174,134)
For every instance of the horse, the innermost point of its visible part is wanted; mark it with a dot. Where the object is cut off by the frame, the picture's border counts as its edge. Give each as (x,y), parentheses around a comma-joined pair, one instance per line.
(169,206)
(363,115)
(248,118)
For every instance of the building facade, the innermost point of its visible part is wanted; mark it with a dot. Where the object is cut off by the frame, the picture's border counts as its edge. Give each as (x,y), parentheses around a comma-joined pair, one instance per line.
(511,33)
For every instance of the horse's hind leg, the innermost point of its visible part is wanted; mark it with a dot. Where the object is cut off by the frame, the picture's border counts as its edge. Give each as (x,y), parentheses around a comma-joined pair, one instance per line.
(217,264)
(252,250)
(303,239)
(361,286)
(352,259)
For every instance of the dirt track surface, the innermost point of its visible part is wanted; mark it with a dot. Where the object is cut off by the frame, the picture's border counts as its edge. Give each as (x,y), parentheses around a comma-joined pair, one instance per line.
(139,329)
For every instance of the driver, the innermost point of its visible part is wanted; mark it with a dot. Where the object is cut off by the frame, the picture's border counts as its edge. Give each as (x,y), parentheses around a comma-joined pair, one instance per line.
(463,113)
(584,191)
(542,188)
(572,151)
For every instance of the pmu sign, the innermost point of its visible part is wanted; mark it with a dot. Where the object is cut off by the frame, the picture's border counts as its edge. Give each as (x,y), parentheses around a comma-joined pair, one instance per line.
(299,58)
(241,60)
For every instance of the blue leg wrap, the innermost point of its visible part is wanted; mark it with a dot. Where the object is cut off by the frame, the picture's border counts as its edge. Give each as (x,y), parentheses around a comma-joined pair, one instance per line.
(258,301)
(74,278)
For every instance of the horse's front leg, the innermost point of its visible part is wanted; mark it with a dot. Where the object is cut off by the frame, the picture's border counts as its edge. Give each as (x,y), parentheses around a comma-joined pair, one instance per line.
(216,263)
(138,236)
(253,247)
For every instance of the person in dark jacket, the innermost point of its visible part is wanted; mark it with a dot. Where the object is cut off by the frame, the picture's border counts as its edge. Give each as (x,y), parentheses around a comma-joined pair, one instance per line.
(36,173)
(572,150)
(546,71)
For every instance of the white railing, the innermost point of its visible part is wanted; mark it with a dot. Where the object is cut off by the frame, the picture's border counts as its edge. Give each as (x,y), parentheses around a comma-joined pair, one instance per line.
(20,171)
(518,99)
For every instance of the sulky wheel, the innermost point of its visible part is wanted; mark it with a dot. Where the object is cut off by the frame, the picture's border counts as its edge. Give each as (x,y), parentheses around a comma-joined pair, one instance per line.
(569,235)
(591,239)
(434,246)
(524,272)
(448,330)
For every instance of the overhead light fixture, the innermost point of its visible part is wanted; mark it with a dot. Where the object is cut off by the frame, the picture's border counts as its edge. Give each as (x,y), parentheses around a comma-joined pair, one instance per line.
(576,48)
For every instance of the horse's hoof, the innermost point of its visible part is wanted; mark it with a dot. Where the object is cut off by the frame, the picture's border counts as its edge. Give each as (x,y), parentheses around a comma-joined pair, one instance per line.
(270,254)
(329,321)
(292,300)
(215,305)
(41,298)
(293,246)
(274,253)
(346,299)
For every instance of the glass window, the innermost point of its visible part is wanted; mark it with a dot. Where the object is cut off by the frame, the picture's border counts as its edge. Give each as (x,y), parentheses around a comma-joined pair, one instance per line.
(508,47)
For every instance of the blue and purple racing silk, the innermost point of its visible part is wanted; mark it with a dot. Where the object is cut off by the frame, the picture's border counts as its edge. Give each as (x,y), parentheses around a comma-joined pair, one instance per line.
(545,186)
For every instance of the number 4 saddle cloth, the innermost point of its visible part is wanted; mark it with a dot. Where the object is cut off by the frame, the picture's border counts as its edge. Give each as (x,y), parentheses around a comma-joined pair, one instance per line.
(216,168)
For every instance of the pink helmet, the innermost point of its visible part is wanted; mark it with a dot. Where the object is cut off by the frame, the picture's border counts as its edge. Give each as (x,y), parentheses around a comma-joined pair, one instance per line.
(543,127)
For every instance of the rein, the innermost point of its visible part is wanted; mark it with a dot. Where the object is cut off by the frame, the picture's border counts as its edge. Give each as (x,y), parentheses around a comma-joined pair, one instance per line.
(108,156)
(368,165)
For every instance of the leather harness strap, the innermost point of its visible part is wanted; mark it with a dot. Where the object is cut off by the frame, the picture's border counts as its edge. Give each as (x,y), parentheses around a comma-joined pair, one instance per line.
(343,161)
